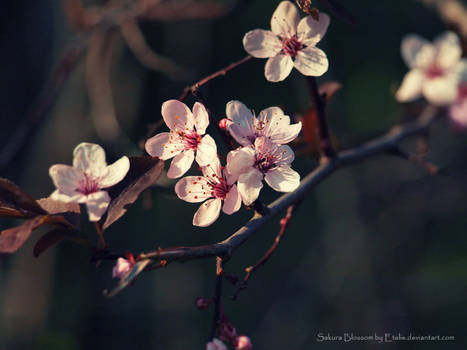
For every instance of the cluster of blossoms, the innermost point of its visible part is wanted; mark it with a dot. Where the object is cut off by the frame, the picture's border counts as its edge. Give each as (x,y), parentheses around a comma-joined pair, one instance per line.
(438,72)
(262,154)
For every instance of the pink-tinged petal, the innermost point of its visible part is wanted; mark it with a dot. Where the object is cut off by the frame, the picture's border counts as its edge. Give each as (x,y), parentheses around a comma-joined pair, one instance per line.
(89,158)
(283,179)
(213,170)
(284,154)
(440,91)
(238,113)
(311,31)
(97,204)
(201,118)
(75,197)
(216,344)
(265,119)
(206,151)
(262,43)
(243,342)
(121,268)
(416,51)
(180,164)
(239,161)
(193,189)
(164,145)
(311,62)
(449,49)
(278,68)
(249,185)
(65,178)
(458,114)
(232,201)
(240,134)
(279,129)
(285,20)
(177,115)
(114,173)
(207,213)
(411,87)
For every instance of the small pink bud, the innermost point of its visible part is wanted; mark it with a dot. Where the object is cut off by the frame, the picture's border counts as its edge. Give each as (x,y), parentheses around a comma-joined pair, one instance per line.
(243,343)
(202,303)
(121,268)
(283,221)
(223,123)
(216,344)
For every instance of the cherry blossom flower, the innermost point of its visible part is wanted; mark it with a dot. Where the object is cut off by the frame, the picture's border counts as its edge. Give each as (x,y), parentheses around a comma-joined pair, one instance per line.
(434,68)
(85,180)
(243,343)
(214,183)
(458,110)
(249,165)
(121,268)
(184,139)
(216,344)
(290,43)
(245,127)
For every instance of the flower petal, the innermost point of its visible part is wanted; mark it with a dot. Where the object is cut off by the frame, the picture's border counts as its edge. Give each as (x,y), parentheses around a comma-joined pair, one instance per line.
(75,197)
(177,115)
(180,164)
(458,114)
(240,134)
(193,189)
(97,204)
(261,43)
(232,201)
(449,49)
(164,145)
(441,91)
(311,61)
(283,179)
(213,170)
(208,212)
(278,68)
(249,185)
(114,173)
(285,20)
(201,118)
(206,150)
(311,31)
(411,87)
(66,178)
(416,51)
(239,161)
(278,128)
(89,158)
(238,113)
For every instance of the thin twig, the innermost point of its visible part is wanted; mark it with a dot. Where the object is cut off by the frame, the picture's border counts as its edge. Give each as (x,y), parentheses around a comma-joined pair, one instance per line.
(210,77)
(217,297)
(318,104)
(284,223)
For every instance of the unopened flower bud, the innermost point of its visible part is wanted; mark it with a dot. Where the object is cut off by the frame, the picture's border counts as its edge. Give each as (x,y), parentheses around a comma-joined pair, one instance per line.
(243,343)
(216,344)
(223,123)
(121,268)
(202,303)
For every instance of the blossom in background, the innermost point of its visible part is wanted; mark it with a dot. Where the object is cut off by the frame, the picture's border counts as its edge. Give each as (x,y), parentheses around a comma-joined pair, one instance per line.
(434,68)
(243,343)
(290,43)
(458,109)
(271,123)
(214,183)
(265,159)
(184,139)
(216,344)
(85,180)
(121,268)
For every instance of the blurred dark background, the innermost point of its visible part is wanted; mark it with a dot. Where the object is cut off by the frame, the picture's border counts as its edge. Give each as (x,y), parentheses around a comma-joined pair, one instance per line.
(379,247)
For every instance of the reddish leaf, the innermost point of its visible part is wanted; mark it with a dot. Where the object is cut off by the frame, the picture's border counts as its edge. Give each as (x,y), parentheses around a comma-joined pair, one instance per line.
(15,202)
(50,239)
(328,89)
(310,127)
(144,171)
(68,211)
(12,239)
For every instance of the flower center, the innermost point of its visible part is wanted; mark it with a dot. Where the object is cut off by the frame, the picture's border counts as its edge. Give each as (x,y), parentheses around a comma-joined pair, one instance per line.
(88,185)
(191,140)
(462,92)
(264,163)
(291,46)
(220,190)
(434,71)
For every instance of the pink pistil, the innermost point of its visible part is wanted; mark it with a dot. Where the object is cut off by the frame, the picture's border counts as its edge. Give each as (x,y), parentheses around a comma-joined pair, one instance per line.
(291,46)
(434,71)
(191,140)
(220,190)
(88,185)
